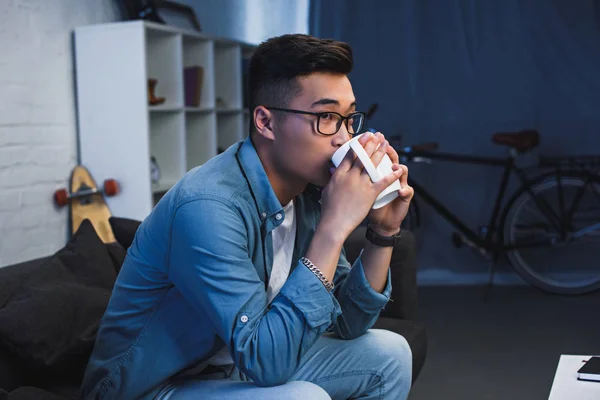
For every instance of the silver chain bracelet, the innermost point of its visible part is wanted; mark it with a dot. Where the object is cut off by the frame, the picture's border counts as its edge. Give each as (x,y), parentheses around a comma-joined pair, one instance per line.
(309,264)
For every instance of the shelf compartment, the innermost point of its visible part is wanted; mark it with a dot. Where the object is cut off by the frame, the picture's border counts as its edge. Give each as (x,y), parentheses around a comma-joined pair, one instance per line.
(167,145)
(200,53)
(229,126)
(163,63)
(228,76)
(201,138)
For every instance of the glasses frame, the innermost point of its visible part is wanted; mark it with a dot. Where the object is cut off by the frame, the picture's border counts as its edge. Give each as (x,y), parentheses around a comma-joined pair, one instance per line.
(319,114)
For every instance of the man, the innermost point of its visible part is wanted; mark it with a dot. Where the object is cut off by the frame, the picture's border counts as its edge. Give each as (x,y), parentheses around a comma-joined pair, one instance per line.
(236,285)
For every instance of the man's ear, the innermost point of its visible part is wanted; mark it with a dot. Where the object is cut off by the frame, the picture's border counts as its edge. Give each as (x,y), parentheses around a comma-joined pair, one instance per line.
(263,120)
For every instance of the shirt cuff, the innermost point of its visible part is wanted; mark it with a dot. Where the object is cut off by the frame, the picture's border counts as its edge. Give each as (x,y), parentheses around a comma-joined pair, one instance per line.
(361,293)
(308,294)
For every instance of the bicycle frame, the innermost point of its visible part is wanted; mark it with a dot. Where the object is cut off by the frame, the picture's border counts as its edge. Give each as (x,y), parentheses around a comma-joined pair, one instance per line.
(509,166)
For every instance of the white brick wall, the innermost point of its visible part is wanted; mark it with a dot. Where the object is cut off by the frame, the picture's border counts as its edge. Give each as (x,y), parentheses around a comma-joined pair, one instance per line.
(38,136)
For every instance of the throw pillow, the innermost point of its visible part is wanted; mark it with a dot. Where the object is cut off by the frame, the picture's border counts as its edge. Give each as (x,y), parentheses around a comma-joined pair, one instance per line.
(124,230)
(117,253)
(52,316)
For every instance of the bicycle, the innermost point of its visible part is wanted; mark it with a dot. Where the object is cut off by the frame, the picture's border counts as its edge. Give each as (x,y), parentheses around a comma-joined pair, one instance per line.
(555,209)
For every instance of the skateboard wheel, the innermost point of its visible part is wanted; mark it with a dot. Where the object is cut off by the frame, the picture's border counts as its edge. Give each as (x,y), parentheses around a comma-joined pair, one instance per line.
(61,197)
(111,187)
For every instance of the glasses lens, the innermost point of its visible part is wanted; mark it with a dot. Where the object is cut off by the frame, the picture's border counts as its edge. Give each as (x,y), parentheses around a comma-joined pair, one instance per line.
(328,123)
(355,124)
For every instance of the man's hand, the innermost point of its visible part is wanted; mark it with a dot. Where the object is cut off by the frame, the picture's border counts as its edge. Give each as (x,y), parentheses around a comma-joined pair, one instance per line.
(387,220)
(350,193)
(347,200)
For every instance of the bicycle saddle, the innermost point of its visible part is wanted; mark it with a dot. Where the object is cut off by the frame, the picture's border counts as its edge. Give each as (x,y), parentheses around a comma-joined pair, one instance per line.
(520,141)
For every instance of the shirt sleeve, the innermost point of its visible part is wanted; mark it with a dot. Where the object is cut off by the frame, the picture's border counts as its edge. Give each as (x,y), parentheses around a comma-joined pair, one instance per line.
(360,303)
(210,265)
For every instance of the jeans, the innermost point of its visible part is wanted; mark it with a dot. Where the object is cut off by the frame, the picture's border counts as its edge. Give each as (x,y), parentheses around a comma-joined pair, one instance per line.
(376,365)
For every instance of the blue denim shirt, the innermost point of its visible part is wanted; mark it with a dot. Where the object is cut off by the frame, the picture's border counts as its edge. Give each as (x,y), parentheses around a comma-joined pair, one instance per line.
(195,280)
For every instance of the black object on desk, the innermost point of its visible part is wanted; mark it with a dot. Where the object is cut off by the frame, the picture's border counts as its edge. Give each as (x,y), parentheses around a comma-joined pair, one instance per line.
(590,371)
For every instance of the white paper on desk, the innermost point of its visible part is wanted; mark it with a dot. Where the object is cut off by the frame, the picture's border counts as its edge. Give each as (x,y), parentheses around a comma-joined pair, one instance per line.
(566,386)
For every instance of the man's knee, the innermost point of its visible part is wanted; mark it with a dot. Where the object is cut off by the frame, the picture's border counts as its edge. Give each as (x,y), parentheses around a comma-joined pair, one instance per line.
(395,351)
(302,390)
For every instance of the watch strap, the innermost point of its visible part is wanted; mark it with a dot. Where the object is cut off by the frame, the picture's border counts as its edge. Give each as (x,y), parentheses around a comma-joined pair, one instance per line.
(382,241)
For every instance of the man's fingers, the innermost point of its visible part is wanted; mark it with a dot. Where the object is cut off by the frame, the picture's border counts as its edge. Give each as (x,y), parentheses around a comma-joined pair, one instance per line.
(387,180)
(372,143)
(391,152)
(407,192)
(381,151)
(399,172)
(375,146)
(364,138)
(404,176)
(347,161)
(357,165)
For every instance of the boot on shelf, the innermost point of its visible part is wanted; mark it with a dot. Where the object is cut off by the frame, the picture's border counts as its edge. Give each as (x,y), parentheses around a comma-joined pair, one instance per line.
(152,99)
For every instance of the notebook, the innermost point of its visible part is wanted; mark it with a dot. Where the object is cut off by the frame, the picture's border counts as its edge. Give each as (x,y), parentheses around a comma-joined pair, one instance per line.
(590,371)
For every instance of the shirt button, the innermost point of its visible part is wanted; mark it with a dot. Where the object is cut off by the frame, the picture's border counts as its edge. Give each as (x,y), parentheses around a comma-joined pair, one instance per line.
(244,319)
(278,217)
(264,215)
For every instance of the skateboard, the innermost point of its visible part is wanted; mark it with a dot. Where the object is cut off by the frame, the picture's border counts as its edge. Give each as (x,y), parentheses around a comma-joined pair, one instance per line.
(86,201)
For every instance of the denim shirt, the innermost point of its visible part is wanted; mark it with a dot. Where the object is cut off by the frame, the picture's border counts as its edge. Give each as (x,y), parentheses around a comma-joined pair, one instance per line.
(195,281)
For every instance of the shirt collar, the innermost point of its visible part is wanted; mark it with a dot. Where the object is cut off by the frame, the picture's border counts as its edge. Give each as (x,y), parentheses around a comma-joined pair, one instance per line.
(267,202)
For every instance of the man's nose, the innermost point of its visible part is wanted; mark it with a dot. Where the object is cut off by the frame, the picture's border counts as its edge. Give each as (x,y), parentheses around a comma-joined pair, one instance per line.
(342,136)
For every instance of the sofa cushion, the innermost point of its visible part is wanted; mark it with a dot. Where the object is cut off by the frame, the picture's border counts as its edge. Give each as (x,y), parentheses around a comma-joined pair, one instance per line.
(49,317)
(124,230)
(11,371)
(33,393)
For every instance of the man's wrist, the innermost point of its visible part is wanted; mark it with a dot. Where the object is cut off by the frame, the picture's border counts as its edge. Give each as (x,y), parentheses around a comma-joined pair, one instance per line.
(384,231)
(387,240)
(324,249)
(330,234)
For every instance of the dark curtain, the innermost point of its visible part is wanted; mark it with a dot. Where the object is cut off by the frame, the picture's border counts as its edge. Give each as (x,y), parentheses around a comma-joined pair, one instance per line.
(456,71)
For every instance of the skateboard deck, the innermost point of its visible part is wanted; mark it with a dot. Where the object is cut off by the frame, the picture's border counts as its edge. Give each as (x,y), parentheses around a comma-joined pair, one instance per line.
(91,206)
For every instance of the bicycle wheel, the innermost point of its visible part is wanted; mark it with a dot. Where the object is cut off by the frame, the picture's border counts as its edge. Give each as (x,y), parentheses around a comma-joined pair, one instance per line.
(552,229)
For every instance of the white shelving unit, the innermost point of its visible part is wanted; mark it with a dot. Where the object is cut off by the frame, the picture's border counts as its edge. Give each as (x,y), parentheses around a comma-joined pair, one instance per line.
(119,131)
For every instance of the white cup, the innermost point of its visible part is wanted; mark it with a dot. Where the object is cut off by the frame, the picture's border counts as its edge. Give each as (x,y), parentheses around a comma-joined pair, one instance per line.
(384,168)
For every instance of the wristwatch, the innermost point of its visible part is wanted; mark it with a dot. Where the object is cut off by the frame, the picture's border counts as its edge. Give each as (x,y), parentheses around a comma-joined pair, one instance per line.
(383,241)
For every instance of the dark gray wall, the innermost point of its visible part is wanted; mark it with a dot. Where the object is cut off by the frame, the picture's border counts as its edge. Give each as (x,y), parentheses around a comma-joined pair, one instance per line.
(251,20)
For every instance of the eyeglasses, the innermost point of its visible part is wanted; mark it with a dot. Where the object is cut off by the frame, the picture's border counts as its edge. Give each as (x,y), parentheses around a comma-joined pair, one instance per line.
(330,122)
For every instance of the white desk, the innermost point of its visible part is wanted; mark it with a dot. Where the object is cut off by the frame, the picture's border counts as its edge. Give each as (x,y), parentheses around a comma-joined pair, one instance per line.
(566,385)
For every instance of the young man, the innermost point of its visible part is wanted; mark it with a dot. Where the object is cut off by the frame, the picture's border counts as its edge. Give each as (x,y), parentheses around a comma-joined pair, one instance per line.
(236,285)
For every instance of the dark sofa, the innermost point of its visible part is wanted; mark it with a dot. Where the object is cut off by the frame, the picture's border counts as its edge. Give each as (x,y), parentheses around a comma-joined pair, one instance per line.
(50,309)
